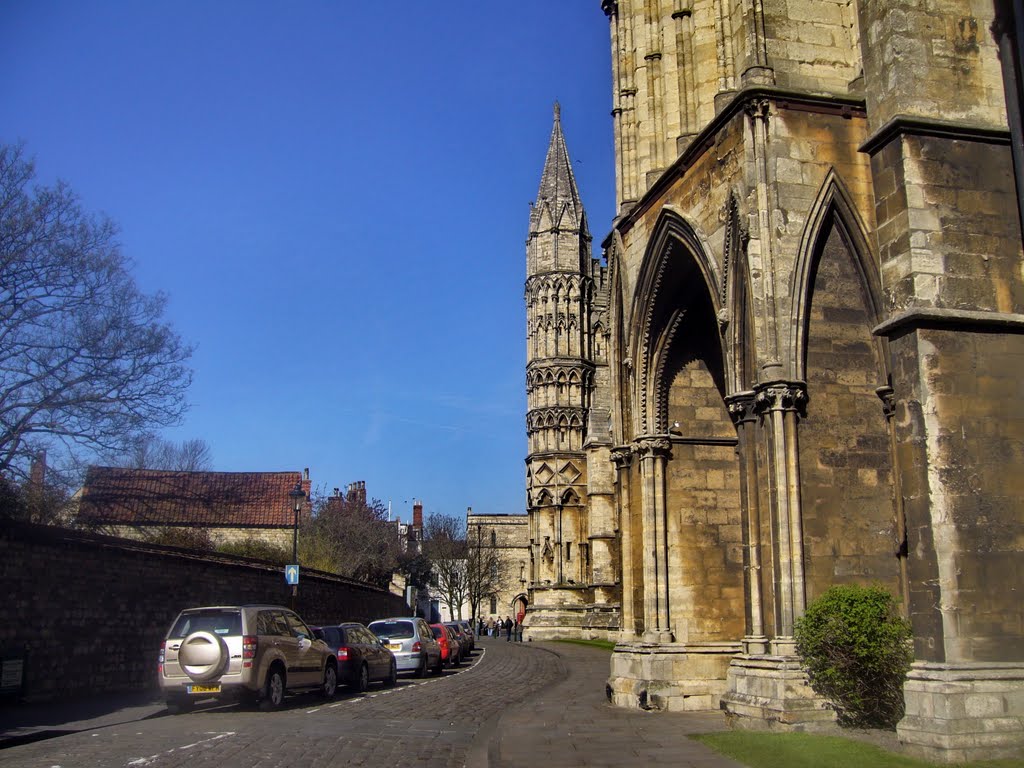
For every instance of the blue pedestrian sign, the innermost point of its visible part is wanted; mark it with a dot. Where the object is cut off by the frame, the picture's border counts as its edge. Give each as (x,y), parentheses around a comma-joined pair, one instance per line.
(291,574)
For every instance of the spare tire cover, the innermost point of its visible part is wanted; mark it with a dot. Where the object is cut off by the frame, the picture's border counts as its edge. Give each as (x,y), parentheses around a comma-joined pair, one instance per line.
(203,656)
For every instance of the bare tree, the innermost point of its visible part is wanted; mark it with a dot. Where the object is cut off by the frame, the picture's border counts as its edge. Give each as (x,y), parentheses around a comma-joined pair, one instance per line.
(351,537)
(151,452)
(486,571)
(86,360)
(444,544)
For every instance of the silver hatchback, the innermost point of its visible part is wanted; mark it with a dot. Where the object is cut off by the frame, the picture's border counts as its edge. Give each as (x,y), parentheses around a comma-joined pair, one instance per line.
(254,652)
(412,642)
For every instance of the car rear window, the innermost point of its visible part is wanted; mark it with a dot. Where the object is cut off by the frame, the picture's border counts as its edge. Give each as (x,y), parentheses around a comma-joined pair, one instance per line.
(438,632)
(218,622)
(397,630)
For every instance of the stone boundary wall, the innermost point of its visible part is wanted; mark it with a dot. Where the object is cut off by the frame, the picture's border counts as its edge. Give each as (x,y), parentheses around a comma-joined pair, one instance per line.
(89,612)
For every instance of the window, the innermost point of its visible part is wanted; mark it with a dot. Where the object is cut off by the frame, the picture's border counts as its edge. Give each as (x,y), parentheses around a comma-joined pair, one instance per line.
(494,538)
(494,604)
(217,622)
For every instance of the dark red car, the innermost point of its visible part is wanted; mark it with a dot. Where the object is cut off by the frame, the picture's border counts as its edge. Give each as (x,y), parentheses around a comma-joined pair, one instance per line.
(361,655)
(451,652)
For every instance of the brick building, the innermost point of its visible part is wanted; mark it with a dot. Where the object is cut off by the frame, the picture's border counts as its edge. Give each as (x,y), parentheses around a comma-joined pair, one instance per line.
(229,506)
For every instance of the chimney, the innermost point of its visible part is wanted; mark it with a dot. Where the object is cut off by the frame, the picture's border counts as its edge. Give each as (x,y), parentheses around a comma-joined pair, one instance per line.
(357,492)
(417,515)
(305,474)
(37,473)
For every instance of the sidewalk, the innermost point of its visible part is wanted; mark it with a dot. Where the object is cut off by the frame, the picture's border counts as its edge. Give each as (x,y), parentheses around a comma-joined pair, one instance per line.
(21,723)
(572,724)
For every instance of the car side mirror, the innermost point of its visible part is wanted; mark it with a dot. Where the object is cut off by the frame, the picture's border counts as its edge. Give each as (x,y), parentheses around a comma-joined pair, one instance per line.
(304,643)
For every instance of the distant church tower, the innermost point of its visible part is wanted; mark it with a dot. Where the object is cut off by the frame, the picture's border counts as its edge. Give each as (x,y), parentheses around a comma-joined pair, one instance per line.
(572,532)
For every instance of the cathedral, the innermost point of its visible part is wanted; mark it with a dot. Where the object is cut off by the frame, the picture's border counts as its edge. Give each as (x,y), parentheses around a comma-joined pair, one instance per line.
(796,361)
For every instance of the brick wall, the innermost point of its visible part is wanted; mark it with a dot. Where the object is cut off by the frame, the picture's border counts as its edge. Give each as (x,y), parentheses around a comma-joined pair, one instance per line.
(92,610)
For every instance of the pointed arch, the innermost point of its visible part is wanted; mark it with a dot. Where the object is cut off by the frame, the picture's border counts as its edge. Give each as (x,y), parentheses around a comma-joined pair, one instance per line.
(833,207)
(676,260)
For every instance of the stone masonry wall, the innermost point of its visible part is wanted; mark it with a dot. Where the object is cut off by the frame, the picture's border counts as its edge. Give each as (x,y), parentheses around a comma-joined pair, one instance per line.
(848,516)
(92,611)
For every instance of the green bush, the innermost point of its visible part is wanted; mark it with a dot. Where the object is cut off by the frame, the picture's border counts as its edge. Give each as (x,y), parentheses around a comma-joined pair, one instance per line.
(257,548)
(856,649)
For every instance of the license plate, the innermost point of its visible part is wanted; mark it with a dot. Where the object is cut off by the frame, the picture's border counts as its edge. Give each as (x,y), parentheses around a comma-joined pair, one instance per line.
(204,688)
(394,646)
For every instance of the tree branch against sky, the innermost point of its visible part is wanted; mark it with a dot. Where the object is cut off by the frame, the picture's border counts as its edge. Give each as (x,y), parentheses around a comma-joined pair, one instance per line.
(444,544)
(86,361)
(351,537)
(486,571)
(409,338)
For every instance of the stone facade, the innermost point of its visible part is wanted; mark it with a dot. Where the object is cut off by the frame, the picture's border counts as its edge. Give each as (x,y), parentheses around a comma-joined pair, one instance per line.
(508,537)
(573,560)
(813,352)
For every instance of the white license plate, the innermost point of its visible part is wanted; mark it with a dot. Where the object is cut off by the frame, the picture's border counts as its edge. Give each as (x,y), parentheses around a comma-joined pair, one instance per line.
(204,688)
(394,646)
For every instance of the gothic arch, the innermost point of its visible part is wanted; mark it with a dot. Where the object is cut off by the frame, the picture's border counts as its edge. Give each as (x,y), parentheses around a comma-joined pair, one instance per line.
(833,207)
(676,262)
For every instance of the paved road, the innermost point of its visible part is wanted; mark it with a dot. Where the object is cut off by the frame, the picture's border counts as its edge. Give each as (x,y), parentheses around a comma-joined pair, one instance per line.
(514,706)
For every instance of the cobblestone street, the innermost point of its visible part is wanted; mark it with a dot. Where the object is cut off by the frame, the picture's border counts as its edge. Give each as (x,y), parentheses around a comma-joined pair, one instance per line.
(514,706)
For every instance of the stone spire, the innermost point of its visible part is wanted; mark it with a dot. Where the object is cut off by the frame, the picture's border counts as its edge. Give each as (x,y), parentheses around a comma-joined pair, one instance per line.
(558,200)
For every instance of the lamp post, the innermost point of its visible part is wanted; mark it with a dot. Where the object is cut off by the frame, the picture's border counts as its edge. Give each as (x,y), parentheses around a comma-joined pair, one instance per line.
(297,495)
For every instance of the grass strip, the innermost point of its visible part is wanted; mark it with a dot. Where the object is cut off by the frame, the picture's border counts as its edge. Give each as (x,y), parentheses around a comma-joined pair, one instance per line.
(804,750)
(606,645)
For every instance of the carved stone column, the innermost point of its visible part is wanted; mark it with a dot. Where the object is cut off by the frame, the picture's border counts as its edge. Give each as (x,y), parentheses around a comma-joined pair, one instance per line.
(622,456)
(780,403)
(654,453)
(742,410)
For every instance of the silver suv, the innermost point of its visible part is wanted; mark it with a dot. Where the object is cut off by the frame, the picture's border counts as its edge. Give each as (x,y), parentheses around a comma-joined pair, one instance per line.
(253,652)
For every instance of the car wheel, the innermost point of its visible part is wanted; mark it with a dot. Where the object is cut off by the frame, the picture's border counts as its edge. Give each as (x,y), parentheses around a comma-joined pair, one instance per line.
(421,670)
(273,689)
(392,679)
(363,681)
(330,686)
(456,660)
(439,669)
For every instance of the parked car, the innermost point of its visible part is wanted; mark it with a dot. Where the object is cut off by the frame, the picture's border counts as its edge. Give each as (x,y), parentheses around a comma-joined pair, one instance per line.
(254,652)
(450,650)
(467,626)
(413,643)
(461,637)
(362,657)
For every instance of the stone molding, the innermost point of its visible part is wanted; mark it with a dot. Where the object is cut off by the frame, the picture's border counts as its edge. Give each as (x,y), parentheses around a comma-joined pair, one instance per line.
(622,456)
(781,396)
(914,125)
(953,319)
(742,407)
(651,447)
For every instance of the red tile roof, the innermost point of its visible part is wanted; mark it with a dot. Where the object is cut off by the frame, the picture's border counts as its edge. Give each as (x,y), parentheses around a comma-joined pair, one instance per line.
(218,499)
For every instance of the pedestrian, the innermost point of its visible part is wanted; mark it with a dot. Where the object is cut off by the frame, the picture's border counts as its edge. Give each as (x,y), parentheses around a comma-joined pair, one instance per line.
(508,629)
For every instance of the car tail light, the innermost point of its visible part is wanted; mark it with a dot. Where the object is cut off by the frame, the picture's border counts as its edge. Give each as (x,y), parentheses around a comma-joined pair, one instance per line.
(160,661)
(416,647)
(249,643)
(343,654)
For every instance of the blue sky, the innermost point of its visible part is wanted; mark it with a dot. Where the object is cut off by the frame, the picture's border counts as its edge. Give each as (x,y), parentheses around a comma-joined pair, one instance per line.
(335,196)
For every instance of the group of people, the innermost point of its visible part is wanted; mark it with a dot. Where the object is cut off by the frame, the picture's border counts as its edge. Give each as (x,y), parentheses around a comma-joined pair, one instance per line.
(511,628)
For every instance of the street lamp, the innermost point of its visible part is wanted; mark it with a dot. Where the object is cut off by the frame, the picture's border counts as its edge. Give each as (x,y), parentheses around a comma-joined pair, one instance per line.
(297,495)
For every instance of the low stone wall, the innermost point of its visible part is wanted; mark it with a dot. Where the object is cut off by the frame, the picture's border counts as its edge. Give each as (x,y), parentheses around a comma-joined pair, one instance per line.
(88,612)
